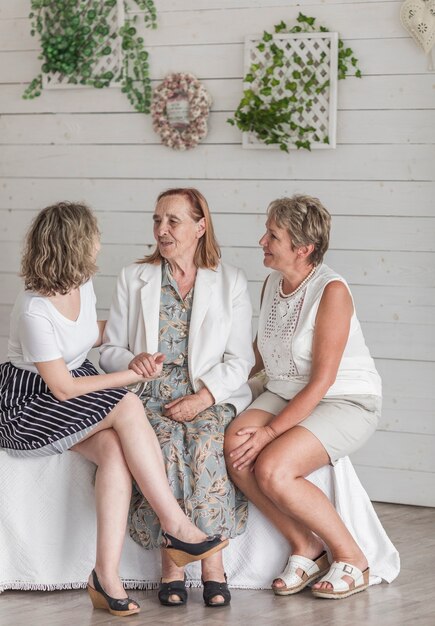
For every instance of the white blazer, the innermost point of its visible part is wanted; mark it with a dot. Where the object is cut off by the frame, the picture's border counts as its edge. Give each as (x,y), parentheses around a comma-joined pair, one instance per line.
(220,334)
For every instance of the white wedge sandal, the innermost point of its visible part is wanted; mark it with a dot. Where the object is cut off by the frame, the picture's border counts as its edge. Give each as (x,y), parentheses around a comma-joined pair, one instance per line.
(311,570)
(341,588)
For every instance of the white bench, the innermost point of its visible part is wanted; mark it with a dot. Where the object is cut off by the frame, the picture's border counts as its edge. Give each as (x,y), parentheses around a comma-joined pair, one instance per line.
(47,529)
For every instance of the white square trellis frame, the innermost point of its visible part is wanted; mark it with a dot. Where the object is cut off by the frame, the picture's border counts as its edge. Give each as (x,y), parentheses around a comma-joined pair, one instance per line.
(322,50)
(106,63)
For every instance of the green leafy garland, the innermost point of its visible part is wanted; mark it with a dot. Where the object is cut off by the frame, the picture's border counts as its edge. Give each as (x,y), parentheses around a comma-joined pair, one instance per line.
(274,120)
(75,34)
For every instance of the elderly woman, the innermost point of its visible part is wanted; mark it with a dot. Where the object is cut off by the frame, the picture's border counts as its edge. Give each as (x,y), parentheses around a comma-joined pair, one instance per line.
(52,398)
(183,302)
(322,401)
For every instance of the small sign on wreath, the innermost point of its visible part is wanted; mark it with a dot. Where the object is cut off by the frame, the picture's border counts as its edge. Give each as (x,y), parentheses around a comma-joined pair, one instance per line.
(179,110)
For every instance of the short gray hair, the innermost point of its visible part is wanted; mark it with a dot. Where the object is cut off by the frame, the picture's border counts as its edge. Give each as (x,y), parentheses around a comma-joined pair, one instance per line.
(306,221)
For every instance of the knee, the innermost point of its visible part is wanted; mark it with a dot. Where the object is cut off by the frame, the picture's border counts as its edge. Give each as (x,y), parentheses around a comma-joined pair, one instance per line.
(231,442)
(109,449)
(271,476)
(131,402)
(129,410)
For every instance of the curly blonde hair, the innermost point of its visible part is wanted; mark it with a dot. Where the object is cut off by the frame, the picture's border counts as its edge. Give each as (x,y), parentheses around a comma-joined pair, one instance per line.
(59,249)
(306,221)
(208,252)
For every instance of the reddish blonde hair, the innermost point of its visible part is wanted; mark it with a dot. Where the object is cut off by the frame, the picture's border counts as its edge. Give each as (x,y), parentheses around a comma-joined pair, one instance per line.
(208,252)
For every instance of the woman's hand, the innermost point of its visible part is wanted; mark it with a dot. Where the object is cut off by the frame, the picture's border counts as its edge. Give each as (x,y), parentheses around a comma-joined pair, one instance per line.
(147,365)
(246,454)
(185,409)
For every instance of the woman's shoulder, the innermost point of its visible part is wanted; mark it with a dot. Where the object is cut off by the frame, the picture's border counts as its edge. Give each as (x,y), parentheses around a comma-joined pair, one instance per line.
(30,307)
(31,303)
(135,270)
(227,268)
(230,273)
(325,275)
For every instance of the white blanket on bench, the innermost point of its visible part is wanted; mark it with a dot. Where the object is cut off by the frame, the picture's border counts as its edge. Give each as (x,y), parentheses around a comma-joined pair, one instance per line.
(47,530)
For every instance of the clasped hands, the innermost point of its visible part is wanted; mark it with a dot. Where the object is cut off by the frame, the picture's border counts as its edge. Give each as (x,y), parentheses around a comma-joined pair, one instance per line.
(148,366)
(184,409)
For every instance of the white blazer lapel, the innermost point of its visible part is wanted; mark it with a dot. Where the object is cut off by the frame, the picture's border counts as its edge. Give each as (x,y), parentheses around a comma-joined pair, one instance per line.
(151,276)
(205,280)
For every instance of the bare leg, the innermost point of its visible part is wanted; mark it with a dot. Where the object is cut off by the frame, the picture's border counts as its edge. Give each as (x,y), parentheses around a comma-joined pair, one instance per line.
(285,462)
(144,459)
(213,569)
(301,539)
(112,494)
(171,572)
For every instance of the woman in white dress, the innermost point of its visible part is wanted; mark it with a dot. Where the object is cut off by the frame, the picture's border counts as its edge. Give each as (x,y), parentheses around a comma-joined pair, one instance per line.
(322,401)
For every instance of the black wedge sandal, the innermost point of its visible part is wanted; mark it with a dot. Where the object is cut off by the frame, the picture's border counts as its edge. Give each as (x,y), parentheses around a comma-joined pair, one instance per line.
(212,588)
(101,600)
(172,588)
(183,553)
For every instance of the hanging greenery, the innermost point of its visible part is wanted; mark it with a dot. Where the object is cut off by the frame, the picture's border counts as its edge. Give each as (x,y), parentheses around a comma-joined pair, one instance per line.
(275,119)
(79,39)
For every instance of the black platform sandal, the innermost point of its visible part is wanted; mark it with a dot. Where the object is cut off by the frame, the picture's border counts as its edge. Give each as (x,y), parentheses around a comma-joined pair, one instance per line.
(182,553)
(101,600)
(212,589)
(172,588)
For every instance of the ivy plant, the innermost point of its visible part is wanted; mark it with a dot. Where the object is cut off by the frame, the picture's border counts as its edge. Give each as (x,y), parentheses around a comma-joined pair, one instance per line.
(271,107)
(76,34)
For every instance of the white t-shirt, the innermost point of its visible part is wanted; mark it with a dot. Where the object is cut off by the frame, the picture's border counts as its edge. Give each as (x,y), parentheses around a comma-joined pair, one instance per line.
(39,332)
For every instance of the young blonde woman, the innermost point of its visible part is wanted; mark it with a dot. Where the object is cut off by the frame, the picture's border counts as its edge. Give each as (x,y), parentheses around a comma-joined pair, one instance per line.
(53,399)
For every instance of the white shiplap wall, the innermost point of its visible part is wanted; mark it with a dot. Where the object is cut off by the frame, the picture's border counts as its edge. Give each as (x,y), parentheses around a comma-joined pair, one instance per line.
(378,184)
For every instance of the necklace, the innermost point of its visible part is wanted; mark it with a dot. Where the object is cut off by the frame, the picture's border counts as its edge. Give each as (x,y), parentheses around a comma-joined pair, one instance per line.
(301,286)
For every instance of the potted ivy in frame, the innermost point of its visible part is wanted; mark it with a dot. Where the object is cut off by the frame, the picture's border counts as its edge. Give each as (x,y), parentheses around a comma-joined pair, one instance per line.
(289,95)
(92,43)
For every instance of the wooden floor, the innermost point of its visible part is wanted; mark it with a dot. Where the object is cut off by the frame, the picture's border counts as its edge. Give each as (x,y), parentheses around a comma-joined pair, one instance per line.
(408,601)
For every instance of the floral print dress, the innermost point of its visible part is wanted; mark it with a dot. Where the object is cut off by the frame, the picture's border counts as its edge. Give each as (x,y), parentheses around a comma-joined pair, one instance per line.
(192,451)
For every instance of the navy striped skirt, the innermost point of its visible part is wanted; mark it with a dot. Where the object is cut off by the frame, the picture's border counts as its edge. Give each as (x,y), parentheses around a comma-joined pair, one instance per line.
(34,423)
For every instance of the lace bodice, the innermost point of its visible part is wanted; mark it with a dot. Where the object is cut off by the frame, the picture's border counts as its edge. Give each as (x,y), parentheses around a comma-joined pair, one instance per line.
(275,343)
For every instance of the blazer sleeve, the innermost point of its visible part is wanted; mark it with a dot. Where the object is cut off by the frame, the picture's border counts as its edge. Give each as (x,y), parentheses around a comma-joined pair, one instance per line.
(226,377)
(115,353)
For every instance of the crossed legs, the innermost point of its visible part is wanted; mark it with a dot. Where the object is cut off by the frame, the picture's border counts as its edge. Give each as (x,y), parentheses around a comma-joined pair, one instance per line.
(112,496)
(278,487)
(124,445)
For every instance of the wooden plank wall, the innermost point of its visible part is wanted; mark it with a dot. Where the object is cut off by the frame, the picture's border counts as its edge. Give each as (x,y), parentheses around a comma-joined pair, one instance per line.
(378,184)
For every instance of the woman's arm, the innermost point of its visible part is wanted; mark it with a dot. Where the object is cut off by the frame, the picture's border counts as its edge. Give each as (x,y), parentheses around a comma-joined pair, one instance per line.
(259,365)
(101,327)
(329,341)
(64,387)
